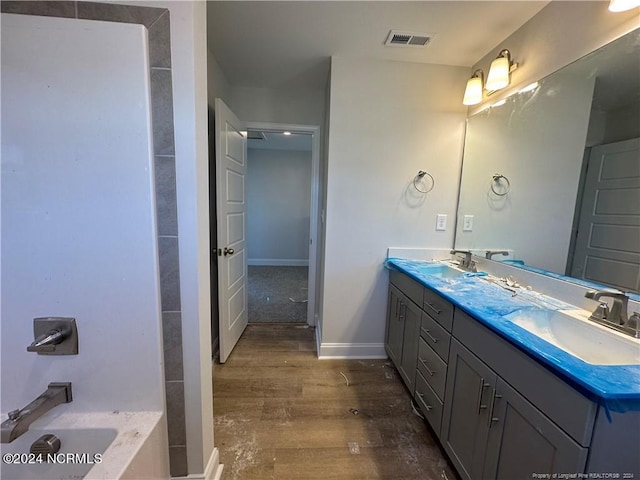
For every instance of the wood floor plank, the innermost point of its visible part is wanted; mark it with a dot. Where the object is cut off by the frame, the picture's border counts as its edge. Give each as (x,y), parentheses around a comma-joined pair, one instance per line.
(280,413)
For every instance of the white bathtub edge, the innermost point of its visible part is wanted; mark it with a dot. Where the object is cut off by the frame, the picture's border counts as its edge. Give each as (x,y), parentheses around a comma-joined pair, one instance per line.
(134,431)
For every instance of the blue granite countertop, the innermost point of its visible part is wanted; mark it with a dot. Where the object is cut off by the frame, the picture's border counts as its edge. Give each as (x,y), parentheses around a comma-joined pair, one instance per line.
(617,387)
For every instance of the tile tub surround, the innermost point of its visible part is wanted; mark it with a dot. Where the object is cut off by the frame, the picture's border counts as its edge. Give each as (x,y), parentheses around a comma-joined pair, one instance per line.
(157,22)
(617,387)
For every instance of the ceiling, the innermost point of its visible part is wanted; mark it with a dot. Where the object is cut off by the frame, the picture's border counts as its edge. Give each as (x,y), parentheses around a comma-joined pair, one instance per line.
(279,141)
(288,44)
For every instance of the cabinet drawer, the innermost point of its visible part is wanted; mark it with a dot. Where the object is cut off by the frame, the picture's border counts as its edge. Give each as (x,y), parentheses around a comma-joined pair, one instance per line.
(409,287)
(439,309)
(429,403)
(435,336)
(433,368)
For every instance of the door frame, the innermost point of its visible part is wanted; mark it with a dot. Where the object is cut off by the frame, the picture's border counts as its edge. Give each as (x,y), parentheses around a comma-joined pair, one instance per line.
(314,209)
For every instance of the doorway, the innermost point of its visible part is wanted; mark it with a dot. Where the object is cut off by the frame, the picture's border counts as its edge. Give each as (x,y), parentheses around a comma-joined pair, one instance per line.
(228,186)
(280,215)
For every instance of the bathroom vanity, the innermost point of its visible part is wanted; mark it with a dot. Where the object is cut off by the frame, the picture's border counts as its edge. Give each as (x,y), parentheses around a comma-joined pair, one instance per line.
(505,403)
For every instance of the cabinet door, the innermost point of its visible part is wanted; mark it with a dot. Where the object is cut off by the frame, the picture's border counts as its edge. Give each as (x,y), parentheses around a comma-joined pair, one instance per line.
(395,326)
(523,442)
(465,423)
(410,343)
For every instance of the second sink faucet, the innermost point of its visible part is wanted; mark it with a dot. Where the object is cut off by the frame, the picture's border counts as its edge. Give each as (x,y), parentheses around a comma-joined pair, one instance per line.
(618,312)
(466,263)
(491,253)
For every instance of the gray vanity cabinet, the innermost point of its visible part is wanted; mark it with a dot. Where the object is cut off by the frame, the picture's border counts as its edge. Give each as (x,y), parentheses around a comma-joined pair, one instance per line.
(522,441)
(490,431)
(493,432)
(465,422)
(395,325)
(499,413)
(409,357)
(417,341)
(403,328)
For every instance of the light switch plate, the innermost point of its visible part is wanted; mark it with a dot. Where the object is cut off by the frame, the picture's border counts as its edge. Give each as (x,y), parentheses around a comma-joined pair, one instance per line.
(441,222)
(467,223)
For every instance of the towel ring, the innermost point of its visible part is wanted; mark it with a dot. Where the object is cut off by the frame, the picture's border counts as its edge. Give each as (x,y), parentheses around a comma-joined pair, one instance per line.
(421,174)
(496,180)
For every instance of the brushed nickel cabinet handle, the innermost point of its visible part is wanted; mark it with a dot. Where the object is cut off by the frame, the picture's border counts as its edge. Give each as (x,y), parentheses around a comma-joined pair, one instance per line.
(481,388)
(424,364)
(428,334)
(491,419)
(434,309)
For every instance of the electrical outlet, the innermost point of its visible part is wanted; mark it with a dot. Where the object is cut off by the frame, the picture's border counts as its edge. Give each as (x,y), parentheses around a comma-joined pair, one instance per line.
(441,222)
(467,223)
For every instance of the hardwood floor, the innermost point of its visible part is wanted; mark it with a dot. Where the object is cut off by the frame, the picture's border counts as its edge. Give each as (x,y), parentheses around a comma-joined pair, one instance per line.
(280,413)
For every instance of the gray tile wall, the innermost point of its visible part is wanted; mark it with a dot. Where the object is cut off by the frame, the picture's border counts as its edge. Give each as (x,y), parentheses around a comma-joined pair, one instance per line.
(157,21)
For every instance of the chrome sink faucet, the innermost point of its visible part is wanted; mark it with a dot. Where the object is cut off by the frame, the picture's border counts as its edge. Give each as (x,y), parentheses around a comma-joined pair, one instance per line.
(618,312)
(617,316)
(466,263)
(20,420)
(491,253)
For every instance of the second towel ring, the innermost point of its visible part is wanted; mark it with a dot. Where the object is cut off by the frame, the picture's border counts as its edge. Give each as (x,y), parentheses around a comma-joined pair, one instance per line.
(421,174)
(497,180)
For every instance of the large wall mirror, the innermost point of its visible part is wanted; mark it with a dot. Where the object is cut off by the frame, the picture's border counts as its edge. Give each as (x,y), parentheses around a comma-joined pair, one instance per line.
(553,174)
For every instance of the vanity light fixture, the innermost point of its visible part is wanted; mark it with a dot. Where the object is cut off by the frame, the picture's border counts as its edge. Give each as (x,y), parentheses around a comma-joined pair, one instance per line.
(623,5)
(499,73)
(473,92)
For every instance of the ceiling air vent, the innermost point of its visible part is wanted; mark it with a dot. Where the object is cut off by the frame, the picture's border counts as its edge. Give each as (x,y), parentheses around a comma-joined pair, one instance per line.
(407,39)
(255,135)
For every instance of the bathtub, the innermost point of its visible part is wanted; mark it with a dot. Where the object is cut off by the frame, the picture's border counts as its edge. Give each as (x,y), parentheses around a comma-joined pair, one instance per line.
(114,445)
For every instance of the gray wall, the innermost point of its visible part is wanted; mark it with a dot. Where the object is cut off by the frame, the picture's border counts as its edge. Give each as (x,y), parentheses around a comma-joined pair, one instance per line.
(278,202)
(292,106)
(388,120)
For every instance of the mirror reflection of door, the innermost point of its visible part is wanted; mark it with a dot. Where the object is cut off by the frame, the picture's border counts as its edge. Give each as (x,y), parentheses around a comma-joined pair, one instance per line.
(608,240)
(278,225)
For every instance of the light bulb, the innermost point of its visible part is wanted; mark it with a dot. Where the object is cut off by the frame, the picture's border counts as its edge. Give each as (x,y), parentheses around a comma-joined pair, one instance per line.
(498,74)
(473,92)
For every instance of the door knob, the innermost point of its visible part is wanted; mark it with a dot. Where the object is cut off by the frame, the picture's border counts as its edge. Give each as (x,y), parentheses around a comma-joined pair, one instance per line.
(228,251)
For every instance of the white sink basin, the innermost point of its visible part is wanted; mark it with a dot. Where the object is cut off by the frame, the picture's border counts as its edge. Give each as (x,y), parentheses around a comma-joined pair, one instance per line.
(571,331)
(441,271)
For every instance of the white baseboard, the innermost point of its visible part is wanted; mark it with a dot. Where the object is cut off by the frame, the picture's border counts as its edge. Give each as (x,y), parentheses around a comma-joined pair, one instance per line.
(214,467)
(355,351)
(213,470)
(318,337)
(278,262)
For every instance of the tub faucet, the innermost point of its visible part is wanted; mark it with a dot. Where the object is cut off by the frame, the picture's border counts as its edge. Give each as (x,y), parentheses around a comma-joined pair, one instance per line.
(466,263)
(618,313)
(20,420)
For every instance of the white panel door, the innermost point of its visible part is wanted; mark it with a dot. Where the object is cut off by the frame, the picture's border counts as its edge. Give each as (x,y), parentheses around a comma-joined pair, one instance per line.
(231,168)
(608,242)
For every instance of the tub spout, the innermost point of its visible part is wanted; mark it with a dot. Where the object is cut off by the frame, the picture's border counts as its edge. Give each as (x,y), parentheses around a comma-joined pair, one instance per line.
(20,420)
